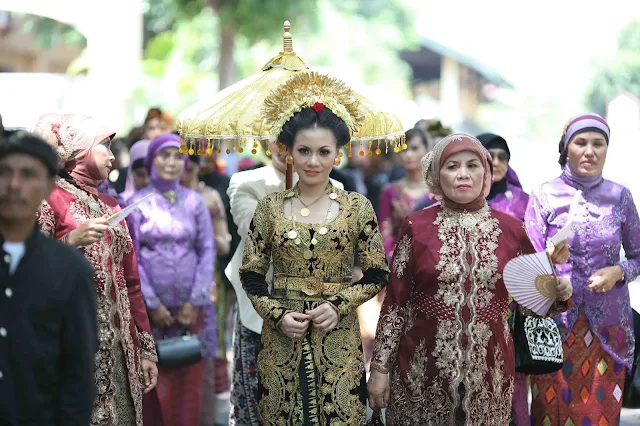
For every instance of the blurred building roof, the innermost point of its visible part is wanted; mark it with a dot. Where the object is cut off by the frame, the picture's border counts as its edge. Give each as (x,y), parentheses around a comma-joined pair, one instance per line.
(426,62)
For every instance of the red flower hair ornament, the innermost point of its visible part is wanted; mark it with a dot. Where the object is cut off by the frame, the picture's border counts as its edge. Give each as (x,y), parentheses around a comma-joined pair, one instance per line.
(318,107)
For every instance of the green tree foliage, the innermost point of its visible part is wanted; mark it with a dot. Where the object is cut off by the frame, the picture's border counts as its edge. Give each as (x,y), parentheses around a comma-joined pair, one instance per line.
(243,23)
(622,74)
(259,19)
(252,20)
(349,38)
(629,38)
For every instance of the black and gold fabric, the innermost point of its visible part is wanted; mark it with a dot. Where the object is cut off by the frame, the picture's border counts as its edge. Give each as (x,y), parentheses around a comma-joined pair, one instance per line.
(318,379)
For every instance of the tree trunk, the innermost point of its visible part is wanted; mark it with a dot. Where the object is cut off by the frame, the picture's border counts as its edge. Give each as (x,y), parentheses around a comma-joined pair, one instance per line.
(227,64)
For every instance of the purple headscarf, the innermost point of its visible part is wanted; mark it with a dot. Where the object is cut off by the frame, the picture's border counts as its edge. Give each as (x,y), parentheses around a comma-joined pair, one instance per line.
(587,122)
(158,144)
(138,151)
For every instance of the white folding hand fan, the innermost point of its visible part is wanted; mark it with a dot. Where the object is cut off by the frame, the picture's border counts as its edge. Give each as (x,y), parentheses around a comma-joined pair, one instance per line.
(563,234)
(531,281)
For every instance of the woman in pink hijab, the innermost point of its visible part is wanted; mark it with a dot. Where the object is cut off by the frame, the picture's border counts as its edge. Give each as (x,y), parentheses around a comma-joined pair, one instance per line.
(76,214)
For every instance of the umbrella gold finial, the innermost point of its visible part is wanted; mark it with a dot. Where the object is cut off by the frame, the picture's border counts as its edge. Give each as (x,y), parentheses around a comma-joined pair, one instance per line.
(287,41)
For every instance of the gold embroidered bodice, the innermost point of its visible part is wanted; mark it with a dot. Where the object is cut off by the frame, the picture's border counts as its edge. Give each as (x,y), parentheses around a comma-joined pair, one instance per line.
(354,232)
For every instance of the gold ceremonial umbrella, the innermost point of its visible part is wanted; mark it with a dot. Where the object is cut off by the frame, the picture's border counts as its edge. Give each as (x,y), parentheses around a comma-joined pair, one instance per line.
(233,117)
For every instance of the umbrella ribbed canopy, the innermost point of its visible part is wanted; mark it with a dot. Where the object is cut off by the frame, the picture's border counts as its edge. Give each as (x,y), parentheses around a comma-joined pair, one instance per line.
(233,118)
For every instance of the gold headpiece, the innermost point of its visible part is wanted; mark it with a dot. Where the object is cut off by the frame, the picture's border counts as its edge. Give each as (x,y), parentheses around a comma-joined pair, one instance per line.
(306,89)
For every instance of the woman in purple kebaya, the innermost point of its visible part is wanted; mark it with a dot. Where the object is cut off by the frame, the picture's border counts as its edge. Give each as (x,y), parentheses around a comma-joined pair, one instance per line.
(598,330)
(174,242)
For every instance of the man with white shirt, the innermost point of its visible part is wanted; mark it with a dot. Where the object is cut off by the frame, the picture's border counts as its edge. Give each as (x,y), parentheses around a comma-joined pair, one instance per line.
(48,330)
(245,190)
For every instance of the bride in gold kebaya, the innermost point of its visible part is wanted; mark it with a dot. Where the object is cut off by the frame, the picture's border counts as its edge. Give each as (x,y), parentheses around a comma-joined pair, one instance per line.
(311,363)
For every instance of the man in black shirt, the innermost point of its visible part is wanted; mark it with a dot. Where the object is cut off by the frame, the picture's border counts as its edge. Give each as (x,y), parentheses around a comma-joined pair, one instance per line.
(48,330)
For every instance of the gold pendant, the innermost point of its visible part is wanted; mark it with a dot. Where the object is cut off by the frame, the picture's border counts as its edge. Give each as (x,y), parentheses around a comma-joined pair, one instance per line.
(292,234)
(297,241)
(314,241)
(323,230)
(308,254)
(171,196)
(305,212)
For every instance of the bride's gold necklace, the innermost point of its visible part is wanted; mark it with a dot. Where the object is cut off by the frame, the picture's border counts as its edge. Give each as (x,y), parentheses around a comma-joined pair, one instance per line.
(293,234)
(304,211)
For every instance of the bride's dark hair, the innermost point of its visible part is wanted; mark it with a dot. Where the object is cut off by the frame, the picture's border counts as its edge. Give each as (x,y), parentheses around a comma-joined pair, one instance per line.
(308,118)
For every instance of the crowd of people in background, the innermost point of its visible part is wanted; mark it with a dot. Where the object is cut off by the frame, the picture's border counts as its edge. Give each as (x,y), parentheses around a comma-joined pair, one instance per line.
(176,268)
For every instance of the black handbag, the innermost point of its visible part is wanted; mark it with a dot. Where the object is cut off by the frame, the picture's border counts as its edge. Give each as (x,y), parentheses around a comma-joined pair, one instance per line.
(179,351)
(538,344)
(376,419)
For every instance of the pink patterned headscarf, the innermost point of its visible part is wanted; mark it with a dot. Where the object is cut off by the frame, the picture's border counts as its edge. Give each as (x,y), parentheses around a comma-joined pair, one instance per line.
(74,136)
(436,158)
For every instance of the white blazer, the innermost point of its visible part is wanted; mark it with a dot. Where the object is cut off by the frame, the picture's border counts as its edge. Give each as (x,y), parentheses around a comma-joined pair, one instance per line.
(245,190)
